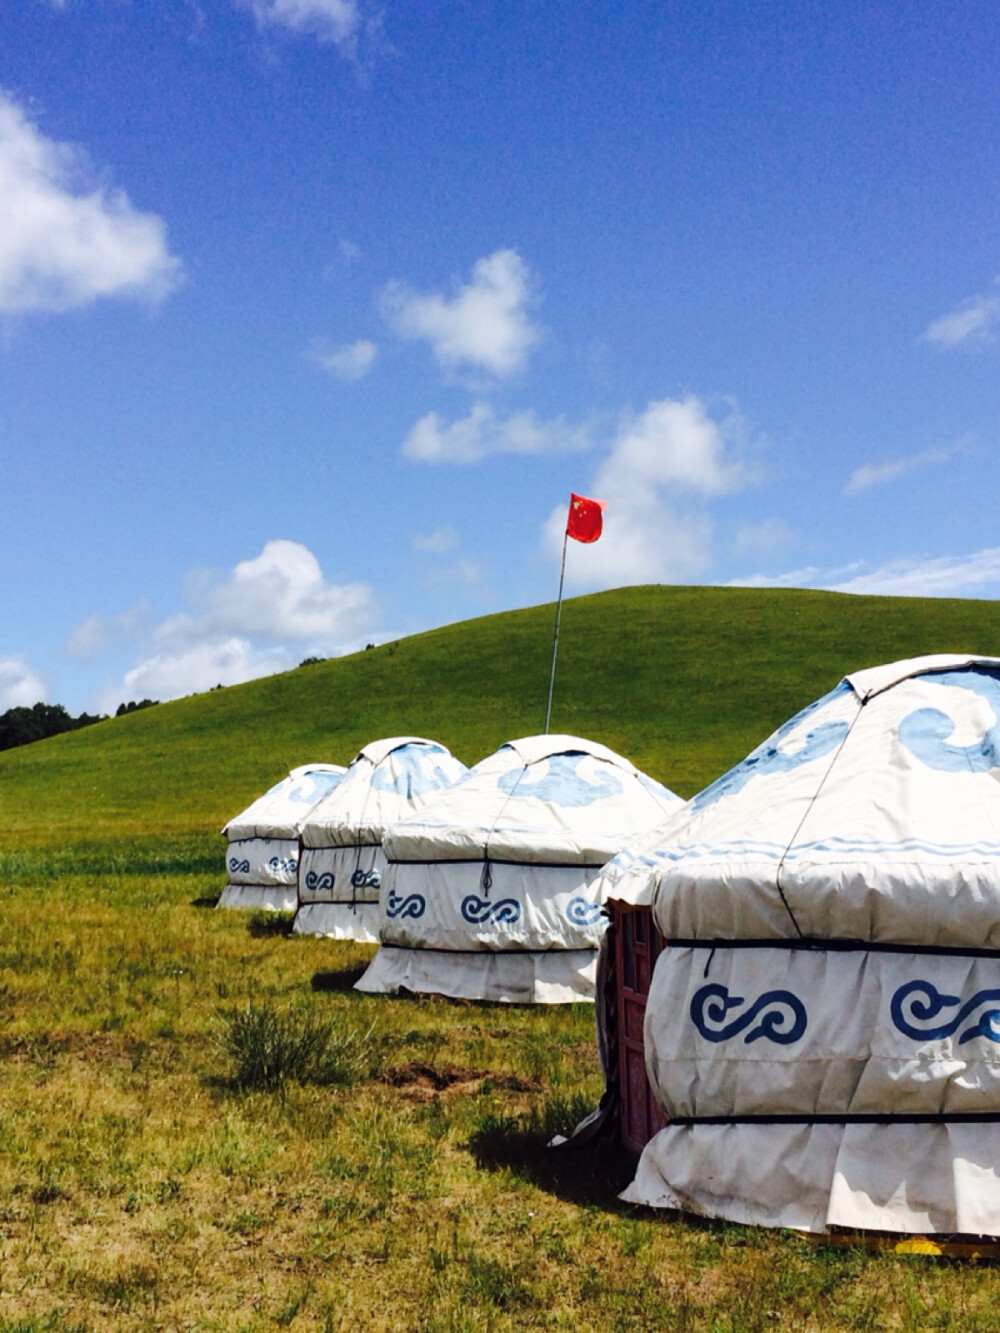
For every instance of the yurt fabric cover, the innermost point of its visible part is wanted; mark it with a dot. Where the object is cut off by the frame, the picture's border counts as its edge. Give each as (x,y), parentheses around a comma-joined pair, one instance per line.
(823,1027)
(262,859)
(342,862)
(488,891)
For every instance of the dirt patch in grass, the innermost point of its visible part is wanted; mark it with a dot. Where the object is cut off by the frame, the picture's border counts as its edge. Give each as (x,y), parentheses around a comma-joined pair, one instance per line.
(420,1082)
(106,1048)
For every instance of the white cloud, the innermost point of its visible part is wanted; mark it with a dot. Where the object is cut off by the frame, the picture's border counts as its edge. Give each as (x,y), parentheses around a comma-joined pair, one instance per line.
(261,617)
(486,325)
(95,634)
(200,667)
(64,242)
(942,576)
(20,684)
(661,471)
(807,577)
(975,575)
(438,541)
(350,362)
(483,433)
(336,21)
(973,321)
(277,597)
(877,474)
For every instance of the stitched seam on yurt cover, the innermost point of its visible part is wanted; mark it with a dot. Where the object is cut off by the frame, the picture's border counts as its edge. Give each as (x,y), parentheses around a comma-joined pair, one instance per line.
(501,861)
(810,945)
(870,1118)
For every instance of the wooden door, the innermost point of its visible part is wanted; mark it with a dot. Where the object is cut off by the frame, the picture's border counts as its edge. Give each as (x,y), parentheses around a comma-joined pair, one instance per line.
(637,944)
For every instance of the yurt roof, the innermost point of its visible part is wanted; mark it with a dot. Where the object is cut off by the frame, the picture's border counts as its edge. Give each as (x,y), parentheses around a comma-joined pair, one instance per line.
(377,751)
(281,809)
(553,799)
(872,815)
(386,780)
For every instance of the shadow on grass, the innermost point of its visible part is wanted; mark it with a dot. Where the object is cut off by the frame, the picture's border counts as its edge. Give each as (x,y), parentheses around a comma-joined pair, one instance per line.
(212,901)
(266,925)
(593,1174)
(341,980)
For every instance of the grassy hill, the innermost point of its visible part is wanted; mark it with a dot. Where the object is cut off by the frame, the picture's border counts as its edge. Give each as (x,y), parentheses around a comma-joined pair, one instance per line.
(684,681)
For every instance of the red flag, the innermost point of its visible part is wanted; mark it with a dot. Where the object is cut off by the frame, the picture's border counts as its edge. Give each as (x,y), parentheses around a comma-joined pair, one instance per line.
(585,520)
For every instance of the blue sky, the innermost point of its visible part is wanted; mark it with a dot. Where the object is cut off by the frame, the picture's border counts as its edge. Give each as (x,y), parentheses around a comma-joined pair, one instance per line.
(313,313)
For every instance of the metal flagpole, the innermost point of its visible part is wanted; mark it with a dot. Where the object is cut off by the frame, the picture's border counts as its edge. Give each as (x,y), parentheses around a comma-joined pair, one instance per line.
(555,641)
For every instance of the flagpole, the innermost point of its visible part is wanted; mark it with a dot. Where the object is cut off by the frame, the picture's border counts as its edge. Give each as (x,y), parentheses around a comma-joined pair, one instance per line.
(555,640)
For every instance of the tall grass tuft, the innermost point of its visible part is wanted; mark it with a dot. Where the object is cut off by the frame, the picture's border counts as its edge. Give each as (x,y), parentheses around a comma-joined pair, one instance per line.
(271,1047)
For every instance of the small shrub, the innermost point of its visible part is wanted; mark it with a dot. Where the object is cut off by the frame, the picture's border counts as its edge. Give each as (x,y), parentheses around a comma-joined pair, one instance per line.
(273,1047)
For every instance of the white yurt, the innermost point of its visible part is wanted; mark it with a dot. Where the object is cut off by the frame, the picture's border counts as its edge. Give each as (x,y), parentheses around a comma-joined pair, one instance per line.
(262,859)
(341,859)
(488,891)
(823,1025)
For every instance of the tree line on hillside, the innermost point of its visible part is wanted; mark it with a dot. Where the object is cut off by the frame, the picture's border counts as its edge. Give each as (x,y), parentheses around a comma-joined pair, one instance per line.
(21,725)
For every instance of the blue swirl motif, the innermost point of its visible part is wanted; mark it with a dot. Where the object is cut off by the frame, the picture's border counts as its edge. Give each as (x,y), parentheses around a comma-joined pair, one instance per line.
(582,913)
(907,1004)
(713,1002)
(366,879)
(925,731)
(319,882)
(408,772)
(561,784)
(276,864)
(411,906)
(239,867)
(312,787)
(479,911)
(768,758)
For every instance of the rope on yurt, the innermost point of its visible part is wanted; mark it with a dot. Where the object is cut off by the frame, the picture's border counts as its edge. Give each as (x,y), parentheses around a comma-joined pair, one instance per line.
(486,882)
(808,810)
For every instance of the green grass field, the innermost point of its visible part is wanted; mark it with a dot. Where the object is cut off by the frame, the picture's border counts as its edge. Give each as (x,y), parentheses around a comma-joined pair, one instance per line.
(146,1183)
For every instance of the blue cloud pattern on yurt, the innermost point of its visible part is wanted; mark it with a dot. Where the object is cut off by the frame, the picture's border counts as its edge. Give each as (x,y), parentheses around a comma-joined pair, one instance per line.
(711,1004)
(769,758)
(561,783)
(411,772)
(925,731)
(583,913)
(312,787)
(413,905)
(923,1002)
(319,882)
(479,911)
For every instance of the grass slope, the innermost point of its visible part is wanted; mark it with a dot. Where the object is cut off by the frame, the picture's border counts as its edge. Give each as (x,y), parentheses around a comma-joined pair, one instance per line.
(684,681)
(148,1182)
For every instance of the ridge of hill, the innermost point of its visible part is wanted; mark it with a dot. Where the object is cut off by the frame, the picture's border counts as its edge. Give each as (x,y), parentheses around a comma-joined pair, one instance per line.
(684,681)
